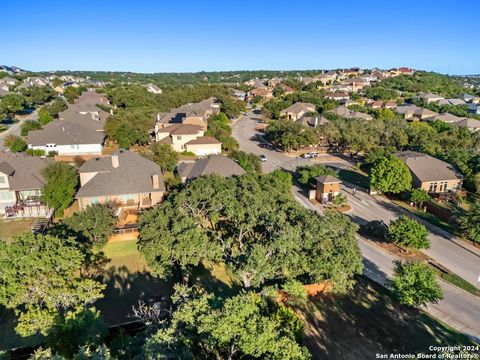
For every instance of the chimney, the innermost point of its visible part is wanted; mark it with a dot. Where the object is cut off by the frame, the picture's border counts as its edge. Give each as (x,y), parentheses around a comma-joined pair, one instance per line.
(115,162)
(158,117)
(316,121)
(156,181)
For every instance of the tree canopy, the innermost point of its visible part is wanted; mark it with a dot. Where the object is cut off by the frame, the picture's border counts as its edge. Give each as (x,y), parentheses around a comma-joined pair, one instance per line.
(389,174)
(15,143)
(408,232)
(253,225)
(39,280)
(60,189)
(248,161)
(164,155)
(469,222)
(246,325)
(415,284)
(94,224)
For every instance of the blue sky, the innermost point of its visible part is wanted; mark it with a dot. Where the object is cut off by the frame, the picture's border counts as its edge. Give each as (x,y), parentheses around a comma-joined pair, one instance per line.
(178,36)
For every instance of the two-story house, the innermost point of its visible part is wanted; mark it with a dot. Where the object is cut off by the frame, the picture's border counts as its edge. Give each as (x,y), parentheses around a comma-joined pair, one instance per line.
(124,179)
(21,183)
(187,137)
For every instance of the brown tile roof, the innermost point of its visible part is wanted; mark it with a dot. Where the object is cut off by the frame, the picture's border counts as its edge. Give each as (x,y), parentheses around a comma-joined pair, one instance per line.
(181,129)
(203,140)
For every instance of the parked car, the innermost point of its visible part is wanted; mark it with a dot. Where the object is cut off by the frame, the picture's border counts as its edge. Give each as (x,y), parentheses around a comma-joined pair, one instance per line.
(263,145)
(310,155)
(263,158)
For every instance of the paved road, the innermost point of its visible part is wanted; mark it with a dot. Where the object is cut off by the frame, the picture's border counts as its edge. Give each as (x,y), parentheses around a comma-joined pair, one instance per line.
(458,308)
(15,128)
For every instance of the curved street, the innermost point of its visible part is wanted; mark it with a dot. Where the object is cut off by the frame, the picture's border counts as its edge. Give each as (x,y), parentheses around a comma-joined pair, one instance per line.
(458,309)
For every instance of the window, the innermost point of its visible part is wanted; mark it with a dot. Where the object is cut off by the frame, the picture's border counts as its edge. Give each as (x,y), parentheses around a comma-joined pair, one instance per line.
(2,179)
(179,138)
(6,195)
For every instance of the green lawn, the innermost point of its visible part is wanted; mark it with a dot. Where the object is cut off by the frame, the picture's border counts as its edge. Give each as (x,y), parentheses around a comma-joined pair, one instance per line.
(11,228)
(128,281)
(355,178)
(125,253)
(367,321)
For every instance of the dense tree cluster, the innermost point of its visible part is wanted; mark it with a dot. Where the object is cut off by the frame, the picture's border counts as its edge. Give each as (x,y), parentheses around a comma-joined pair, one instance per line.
(423,82)
(39,279)
(253,225)
(247,325)
(219,128)
(134,117)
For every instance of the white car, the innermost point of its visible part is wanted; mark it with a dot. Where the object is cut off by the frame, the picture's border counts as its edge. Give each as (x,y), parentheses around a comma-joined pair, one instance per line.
(263,158)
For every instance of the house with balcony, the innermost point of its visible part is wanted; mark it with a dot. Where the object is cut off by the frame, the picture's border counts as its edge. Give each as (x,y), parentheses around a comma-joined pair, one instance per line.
(124,179)
(21,184)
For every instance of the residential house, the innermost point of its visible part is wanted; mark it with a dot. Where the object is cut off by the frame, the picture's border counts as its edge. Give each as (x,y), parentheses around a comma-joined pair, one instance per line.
(328,187)
(374,104)
(415,113)
(467,97)
(152,88)
(215,164)
(307,79)
(338,96)
(85,112)
(451,102)
(4,90)
(66,138)
(125,179)
(326,77)
(312,121)
(431,174)
(430,98)
(21,184)
(274,82)
(239,95)
(264,93)
(187,137)
(389,104)
(286,89)
(8,81)
(474,109)
(345,112)
(297,110)
(34,81)
(473,125)
(192,113)
(257,84)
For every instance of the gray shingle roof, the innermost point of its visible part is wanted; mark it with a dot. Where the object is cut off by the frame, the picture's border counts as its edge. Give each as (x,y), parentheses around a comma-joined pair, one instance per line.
(132,176)
(299,107)
(27,171)
(327,179)
(215,164)
(62,132)
(428,168)
(203,140)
